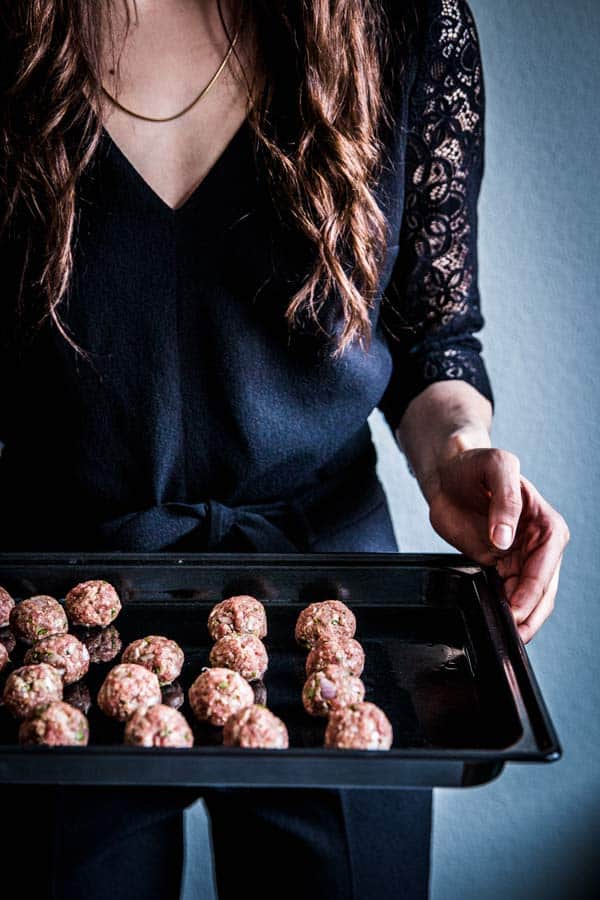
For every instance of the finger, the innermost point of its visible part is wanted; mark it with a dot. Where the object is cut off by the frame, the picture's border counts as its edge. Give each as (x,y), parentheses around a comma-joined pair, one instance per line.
(528,568)
(466,534)
(535,579)
(543,610)
(502,476)
(510,583)
(508,567)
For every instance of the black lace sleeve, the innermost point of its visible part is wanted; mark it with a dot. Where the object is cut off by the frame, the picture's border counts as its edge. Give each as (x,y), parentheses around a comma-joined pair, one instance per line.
(430,308)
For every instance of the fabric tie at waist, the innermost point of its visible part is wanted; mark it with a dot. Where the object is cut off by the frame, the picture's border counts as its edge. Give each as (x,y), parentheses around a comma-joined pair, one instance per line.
(204,526)
(343,490)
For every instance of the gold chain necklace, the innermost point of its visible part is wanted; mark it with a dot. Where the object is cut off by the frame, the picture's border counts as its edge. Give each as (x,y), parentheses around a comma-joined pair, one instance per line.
(204,90)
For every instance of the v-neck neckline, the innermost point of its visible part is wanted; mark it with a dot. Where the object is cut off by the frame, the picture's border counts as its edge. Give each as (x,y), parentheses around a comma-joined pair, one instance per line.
(147,188)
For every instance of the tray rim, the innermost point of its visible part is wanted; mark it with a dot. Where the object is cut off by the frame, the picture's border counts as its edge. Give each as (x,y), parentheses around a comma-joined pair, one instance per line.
(532,709)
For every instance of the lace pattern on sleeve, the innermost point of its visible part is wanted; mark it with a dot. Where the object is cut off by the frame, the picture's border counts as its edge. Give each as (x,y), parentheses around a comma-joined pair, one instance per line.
(431,307)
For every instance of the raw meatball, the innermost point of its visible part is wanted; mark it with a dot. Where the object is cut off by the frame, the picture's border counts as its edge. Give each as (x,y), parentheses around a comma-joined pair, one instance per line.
(78,695)
(172,695)
(56,724)
(217,693)
(158,654)
(30,687)
(37,617)
(158,726)
(255,726)
(237,615)
(326,619)
(244,653)
(360,726)
(64,652)
(329,689)
(339,650)
(3,656)
(127,687)
(103,643)
(92,603)
(6,605)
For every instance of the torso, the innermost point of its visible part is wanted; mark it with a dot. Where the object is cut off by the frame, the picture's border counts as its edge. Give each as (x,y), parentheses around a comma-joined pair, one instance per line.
(197,389)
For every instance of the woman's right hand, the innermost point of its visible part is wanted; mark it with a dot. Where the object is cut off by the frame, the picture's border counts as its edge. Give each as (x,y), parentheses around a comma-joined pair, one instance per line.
(481,504)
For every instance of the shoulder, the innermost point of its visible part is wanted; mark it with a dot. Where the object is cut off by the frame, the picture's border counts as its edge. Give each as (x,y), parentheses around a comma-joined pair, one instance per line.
(433,41)
(446,29)
(423,26)
(447,73)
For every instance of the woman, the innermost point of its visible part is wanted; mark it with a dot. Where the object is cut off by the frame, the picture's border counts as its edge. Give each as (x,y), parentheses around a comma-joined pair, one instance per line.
(206,293)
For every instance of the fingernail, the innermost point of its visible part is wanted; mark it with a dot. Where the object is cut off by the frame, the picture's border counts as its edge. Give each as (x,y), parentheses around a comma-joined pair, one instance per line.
(502,536)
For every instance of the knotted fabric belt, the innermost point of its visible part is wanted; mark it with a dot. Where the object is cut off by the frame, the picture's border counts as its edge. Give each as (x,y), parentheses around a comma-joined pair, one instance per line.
(343,489)
(201,526)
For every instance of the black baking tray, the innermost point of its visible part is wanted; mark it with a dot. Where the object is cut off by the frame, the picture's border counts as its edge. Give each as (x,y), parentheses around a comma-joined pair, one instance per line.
(443,659)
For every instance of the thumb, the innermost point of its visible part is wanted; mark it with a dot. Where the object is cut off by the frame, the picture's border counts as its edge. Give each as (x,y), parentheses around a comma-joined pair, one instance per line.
(503,479)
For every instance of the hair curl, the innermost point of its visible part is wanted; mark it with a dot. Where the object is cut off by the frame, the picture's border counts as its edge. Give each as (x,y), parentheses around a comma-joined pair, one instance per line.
(331,56)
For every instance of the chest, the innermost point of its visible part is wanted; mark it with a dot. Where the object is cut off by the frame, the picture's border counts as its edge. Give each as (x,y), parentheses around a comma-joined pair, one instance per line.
(178,100)
(174,158)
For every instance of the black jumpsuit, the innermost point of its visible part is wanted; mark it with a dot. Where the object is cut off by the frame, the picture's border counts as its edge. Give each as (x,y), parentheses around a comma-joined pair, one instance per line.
(202,423)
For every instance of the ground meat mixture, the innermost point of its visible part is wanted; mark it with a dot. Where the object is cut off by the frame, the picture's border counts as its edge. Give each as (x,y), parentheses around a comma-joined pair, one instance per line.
(325,619)
(329,689)
(158,726)
(172,695)
(3,656)
(6,605)
(30,687)
(103,644)
(65,653)
(92,603)
(159,654)
(78,695)
(237,615)
(244,653)
(37,617)
(57,724)
(338,651)
(255,726)
(126,688)
(218,693)
(360,726)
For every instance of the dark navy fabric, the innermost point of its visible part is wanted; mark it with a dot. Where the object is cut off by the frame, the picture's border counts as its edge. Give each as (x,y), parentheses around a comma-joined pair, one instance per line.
(115,843)
(198,421)
(330,845)
(195,392)
(96,843)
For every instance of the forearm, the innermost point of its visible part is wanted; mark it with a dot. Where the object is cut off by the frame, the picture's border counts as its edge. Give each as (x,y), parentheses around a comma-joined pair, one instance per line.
(444,419)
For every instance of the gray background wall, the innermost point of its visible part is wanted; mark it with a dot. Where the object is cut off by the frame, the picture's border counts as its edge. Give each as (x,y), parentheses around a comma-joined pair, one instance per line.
(534,832)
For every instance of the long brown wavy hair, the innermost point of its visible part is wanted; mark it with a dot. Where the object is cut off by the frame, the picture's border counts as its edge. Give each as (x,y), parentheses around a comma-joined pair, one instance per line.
(330,54)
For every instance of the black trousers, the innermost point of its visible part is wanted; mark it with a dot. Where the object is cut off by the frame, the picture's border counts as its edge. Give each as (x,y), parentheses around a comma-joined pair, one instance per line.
(127,844)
